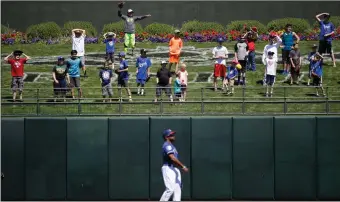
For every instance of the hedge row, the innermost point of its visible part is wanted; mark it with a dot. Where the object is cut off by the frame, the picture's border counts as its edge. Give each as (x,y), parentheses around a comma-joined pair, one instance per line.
(49,30)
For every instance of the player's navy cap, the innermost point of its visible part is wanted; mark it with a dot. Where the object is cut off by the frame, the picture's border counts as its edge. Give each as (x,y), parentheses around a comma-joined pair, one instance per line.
(121,54)
(61,58)
(168,132)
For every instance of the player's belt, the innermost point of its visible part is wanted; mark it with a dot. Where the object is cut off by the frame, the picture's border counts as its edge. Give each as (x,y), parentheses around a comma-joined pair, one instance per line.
(168,164)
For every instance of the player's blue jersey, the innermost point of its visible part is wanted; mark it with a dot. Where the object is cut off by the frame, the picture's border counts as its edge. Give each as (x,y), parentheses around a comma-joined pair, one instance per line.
(142,64)
(167,149)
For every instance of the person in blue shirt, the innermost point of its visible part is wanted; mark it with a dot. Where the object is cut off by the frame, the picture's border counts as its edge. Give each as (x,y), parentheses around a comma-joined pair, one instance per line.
(287,44)
(73,65)
(178,88)
(171,173)
(230,77)
(325,38)
(143,65)
(123,75)
(310,59)
(317,73)
(109,40)
(105,75)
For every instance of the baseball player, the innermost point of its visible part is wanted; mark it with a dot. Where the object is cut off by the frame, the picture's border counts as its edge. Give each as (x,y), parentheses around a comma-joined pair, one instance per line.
(171,174)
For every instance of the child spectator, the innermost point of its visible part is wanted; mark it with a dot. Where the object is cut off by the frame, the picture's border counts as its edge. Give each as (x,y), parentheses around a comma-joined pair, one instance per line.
(17,71)
(287,43)
(105,76)
(230,77)
(241,53)
(310,59)
(123,75)
(220,53)
(270,71)
(183,76)
(177,88)
(296,61)
(143,65)
(175,48)
(274,43)
(109,40)
(61,79)
(251,37)
(317,73)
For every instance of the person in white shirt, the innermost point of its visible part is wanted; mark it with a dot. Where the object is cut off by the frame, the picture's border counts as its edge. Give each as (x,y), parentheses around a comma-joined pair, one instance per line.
(220,53)
(78,43)
(274,43)
(270,71)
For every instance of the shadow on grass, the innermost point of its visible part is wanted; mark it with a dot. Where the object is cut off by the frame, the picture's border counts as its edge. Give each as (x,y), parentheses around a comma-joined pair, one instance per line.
(310,94)
(259,82)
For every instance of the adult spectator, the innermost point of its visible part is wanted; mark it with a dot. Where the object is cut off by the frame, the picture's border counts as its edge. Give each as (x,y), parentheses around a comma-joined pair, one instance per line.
(287,44)
(251,37)
(163,82)
(175,48)
(61,78)
(274,43)
(17,71)
(73,65)
(326,32)
(129,27)
(78,43)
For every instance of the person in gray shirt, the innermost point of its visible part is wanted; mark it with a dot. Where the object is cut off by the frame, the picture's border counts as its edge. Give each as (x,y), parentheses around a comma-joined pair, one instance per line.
(241,53)
(129,27)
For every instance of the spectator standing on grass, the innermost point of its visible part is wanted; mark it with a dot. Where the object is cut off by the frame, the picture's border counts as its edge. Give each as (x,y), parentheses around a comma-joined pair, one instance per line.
(105,75)
(317,73)
(220,53)
(230,77)
(311,59)
(163,81)
(296,61)
(270,71)
(274,43)
(287,43)
(129,27)
(60,79)
(251,37)
(73,65)
(143,65)
(78,43)
(123,75)
(183,76)
(109,40)
(175,48)
(17,71)
(326,35)
(241,53)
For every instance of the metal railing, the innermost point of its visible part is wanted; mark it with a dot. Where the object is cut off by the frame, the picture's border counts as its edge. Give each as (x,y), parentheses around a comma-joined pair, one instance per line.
(287,100)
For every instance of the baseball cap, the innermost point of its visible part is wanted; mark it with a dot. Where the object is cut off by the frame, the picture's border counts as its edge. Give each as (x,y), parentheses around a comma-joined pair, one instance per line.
(177,31)
(61,58)
(168,132)
(121,54)
(271,53)
(17,52)
(219,39)
(164,62)
(143,51)
(130,10)
(314,46)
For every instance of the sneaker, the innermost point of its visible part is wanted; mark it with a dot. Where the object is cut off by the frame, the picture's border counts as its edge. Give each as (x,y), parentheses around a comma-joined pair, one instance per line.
(130,100)
(267,95)
(228,93)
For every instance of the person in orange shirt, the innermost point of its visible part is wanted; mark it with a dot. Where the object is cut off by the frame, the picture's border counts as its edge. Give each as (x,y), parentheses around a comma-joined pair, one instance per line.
(175,48)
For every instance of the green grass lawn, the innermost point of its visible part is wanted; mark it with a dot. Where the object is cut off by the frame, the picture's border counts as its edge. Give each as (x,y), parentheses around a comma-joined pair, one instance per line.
(143,104)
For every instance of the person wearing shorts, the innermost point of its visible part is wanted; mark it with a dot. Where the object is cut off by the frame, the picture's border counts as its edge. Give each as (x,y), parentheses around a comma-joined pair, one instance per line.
(163,82)
(220,53)
(230,77)
(287,43)
(73,65)
(317,72)
(175,48)
(274,43)
(61,79)
(123,76)
(270,71)
(183,76)
(178,88)
(296,62)
(105,76)
(241,53)
(327,29)
(78,43)
(17,71)
(310,58)
(143,65)
(130,28)
(109,40)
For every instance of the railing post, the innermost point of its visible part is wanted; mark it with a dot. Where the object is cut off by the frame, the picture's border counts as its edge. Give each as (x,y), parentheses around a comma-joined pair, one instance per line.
(327,101)
(79,103)
(120,100)
(38,105)
(161,107)
(285,100)
(202,101)
(243,99)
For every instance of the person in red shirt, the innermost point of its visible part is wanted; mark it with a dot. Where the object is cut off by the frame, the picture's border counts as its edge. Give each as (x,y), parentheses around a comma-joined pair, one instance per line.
(17,70)
(251,37)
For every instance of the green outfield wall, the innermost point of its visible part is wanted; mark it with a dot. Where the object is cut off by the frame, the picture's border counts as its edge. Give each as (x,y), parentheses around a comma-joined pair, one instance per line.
(241,158)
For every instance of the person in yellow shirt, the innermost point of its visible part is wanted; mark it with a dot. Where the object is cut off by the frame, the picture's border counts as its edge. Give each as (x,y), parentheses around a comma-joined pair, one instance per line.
(175,48)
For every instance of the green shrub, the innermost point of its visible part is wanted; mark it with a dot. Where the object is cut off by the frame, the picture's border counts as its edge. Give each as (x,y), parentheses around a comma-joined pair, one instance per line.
(5,29)
(159,28)
(44,30)
(334,19)
(118,27)
(238,25)
(198,26)
(87,26)
(299,25)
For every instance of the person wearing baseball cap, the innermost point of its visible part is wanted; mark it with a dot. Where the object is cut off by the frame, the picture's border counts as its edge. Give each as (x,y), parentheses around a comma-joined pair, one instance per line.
(109,40)
(61,79)
(175,48)
(220,54)
(123,74)
(274,44)
(241,53)
(311,59)
(143,65)
(163,81)
(129,27)
(327,29)
(251,38)
(270,72)
(171,163)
